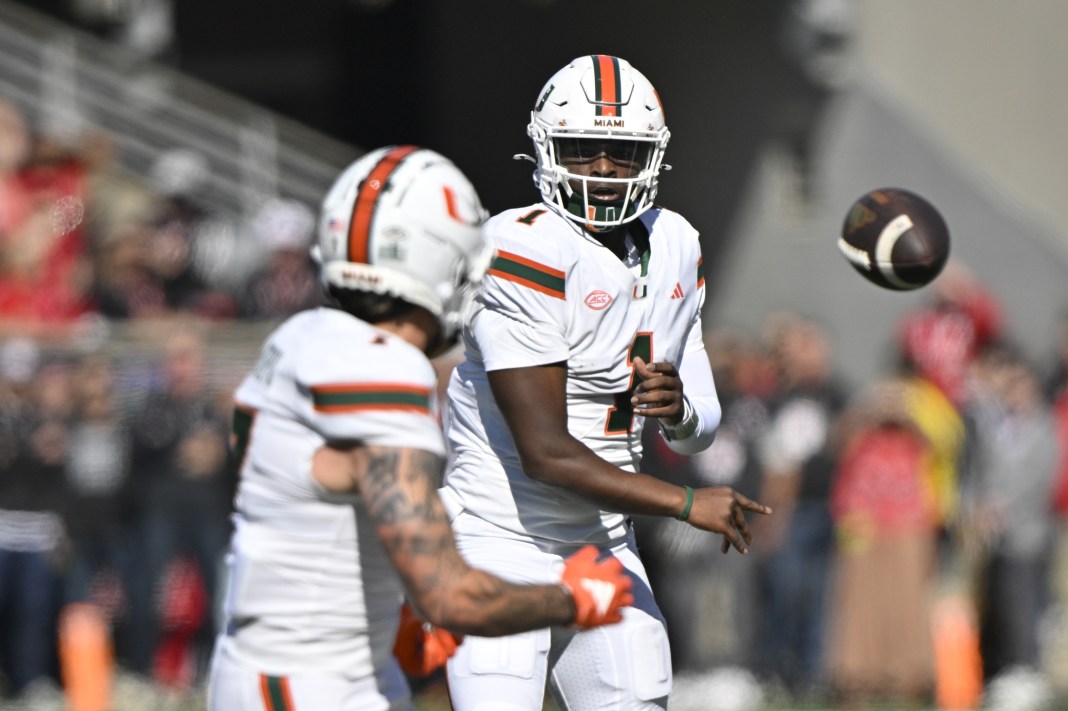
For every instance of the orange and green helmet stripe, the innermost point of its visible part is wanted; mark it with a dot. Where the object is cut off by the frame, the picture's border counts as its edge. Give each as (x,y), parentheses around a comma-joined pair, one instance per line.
(363,208)
(528,273)
(339,398)
(606,84)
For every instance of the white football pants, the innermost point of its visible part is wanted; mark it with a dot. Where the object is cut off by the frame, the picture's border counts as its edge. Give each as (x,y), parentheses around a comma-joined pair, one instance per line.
(619,667)
(237,685)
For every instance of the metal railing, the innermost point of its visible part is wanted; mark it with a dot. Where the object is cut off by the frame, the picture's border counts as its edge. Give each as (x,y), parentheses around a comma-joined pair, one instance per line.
(66,82)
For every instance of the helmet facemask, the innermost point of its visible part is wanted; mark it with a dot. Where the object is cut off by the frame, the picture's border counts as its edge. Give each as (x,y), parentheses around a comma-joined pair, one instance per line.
(604,180)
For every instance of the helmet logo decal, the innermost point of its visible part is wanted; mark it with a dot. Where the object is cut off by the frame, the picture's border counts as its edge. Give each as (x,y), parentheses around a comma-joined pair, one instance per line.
(450,207)
(363,208)
(609,122)
(597,300)
(606,84)
(544,98)
(393,247)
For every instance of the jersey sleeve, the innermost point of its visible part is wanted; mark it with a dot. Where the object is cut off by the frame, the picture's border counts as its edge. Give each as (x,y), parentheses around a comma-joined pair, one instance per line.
(697,380)
(381,395)
(523,304)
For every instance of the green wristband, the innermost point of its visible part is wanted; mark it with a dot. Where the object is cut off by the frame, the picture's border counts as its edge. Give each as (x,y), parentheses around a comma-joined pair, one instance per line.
(689,504)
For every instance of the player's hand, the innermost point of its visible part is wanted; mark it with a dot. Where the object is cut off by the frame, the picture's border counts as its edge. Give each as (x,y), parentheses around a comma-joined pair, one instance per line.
(721,509)
(420,647)
(659,394)
(600,589)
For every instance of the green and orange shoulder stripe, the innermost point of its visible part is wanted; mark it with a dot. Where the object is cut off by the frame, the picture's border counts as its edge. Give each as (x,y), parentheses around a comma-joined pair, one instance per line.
(344,398)
(529,273)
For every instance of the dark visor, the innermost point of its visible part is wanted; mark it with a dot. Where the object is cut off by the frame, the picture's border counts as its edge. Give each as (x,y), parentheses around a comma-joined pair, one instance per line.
(584,150)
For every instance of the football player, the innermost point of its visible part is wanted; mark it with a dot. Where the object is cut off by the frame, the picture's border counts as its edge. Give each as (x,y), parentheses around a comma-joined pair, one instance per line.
(589,322)
(341,450)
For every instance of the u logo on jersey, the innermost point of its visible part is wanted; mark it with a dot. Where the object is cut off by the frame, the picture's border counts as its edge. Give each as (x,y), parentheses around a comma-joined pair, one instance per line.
(597,300)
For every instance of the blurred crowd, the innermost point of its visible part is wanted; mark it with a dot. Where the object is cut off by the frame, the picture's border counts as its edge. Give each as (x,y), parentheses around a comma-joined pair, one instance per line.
(83,241)
(916,554)
(115,485)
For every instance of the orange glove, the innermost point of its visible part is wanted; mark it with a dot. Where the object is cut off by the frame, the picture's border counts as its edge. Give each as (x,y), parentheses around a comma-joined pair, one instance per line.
(420,647)
(599,589)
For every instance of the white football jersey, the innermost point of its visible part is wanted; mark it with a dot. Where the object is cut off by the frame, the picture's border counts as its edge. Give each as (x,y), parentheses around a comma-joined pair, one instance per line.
(311,587)
(554,294)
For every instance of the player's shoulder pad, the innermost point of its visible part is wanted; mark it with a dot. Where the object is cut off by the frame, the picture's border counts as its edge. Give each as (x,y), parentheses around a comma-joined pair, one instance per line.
(671,222)
(535,248)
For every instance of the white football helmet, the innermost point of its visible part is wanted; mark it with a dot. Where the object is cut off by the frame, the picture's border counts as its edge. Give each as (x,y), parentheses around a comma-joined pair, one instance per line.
(598,98)
(404,221)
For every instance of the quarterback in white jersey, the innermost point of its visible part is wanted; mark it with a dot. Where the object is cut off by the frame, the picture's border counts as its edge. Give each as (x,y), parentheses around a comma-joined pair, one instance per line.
(337,514)
(588,323)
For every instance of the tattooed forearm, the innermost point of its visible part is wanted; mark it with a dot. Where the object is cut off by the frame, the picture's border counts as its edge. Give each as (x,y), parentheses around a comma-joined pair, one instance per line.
(401,485)
(399,489)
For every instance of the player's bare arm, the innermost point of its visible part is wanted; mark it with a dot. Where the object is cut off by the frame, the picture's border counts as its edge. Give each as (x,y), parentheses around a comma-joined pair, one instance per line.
(533,402)
(399,488)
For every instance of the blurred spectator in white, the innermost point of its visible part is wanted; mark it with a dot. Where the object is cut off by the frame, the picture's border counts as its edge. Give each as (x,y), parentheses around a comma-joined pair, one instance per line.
(941,339)
(798,461)
(816,40)
(183,488)
(34,440)
(288,281)
(1009,509)
(97,523)
(143,27)
(880,648)
(181,230)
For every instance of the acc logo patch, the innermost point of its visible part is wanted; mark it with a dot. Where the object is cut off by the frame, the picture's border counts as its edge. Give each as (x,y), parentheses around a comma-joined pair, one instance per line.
(597,300)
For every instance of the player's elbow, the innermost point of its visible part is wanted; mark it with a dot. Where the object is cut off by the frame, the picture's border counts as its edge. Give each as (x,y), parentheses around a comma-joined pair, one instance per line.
(544,471)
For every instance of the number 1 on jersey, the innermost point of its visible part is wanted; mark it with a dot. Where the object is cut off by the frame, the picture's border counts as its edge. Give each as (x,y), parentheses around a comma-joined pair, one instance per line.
(621,415)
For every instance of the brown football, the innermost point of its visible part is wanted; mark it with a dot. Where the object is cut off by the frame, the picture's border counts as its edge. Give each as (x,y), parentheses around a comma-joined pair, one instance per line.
(895,239)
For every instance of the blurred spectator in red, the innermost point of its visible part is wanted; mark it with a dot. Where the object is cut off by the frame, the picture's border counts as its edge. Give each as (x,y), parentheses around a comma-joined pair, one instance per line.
(880,647)
(798,464)
(45,274)
(183,488)
(1057,394)
(941,339)
(288,282)
(34,441)
(1008,508)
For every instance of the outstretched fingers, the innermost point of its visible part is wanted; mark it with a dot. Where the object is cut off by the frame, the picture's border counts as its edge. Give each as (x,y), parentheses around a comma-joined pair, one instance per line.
(750,505)
(737,529)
